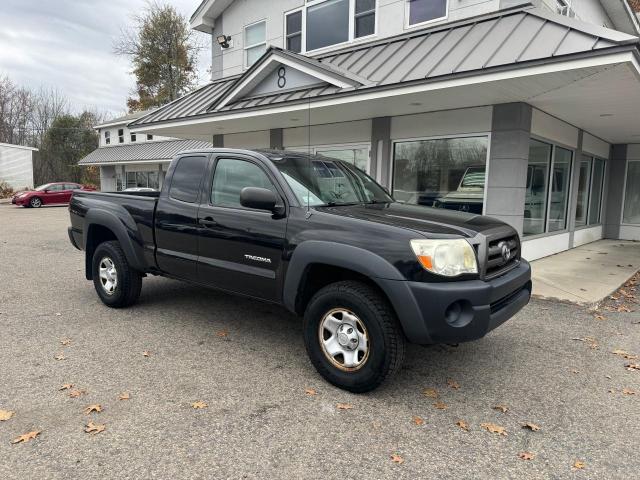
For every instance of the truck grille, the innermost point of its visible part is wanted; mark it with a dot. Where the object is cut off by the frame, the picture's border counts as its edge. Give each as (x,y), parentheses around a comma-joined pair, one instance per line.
(503,254)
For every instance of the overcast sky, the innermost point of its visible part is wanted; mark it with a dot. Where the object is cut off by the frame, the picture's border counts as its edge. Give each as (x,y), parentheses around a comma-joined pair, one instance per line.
(67,44)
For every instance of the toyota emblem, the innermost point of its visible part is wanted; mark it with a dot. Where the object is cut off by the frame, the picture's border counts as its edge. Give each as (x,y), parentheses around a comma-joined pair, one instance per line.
(505,251)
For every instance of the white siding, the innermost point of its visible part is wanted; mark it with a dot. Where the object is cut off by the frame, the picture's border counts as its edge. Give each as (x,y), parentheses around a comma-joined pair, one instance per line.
(16,166)
(587,235)
(259,139)
(545,246)
(140,137)
(551,128)
(331,134)
(589,11)
(449,122)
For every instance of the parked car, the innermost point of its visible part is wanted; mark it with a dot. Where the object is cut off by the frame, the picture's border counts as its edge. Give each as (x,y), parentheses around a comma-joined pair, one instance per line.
(139,189)
(319,237)
(48,194)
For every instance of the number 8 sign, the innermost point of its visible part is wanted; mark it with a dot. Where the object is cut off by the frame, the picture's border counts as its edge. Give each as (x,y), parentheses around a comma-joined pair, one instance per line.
(282,79)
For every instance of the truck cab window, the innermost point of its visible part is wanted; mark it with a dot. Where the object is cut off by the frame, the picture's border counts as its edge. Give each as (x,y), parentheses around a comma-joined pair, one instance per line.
(231,176)
(187,176)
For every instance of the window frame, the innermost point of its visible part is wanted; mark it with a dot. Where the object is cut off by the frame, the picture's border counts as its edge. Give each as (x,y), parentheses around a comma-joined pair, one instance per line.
(407,16)
(313,149)
(594,158)
(121,135)
(246,48)
(352,27)
(133,138)
(107,137)
(198,198)
(624,192)
(488,135)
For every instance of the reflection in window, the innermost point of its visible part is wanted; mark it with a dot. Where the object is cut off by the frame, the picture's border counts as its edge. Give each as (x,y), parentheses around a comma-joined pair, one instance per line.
(590,187)
(231,176)
(255,42)
(560,180)
(446,173)
(535,207)
(355,156)
(294,31)
(597,183)
(421,11)
(584,181)
(632,194)
(327,24)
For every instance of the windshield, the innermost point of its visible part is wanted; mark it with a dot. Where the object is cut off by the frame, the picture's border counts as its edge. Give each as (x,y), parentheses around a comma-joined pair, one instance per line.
(42,188)
(321,181)
(474,177)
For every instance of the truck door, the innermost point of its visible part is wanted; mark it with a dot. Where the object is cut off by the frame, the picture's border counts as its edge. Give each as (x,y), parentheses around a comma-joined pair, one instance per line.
(240,249)
(176,219)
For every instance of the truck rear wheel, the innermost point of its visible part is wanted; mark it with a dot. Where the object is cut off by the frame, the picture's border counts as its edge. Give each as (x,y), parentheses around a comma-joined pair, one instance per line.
(117,284)
(352,336)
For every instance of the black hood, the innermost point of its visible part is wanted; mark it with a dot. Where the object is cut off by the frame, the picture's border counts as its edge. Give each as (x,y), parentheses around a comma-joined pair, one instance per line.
(428,220)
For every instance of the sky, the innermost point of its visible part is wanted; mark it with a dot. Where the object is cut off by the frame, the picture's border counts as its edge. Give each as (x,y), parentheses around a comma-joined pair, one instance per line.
(68,45)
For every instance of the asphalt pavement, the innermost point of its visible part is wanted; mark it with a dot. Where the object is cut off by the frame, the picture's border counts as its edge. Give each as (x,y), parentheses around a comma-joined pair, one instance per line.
(552,366)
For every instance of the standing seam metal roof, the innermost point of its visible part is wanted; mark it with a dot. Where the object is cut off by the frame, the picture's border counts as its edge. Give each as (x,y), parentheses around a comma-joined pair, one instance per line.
(507,38)
(145,151)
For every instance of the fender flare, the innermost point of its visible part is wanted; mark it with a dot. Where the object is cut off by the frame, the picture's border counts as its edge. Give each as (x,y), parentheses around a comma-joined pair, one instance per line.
(127,236)
(335,254)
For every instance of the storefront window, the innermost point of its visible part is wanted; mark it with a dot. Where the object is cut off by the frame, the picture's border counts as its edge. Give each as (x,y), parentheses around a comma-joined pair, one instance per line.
(143,180)
(446,173)
(632,194)
(561,179)
(358,156)
(584,182)
(535,208)
(597,183)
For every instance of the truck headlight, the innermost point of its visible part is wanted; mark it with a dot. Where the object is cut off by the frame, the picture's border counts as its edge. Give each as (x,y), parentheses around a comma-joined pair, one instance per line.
(448,257)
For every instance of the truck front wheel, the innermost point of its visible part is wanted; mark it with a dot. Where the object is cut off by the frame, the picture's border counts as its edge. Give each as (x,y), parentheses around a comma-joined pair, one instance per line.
(117,284)
(352,336)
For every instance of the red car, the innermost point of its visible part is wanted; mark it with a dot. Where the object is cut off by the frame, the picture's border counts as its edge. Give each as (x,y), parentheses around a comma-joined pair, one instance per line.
(49,194)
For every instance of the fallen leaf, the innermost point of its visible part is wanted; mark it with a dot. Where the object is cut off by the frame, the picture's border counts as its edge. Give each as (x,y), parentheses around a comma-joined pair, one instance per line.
(575,371)
(625,355)
(611,390)
(632,366)
(463,425)
(395,458)
(6,415)
(527,455)
(628,391)
(66,386)
(94,428)
(577,465)
(58,314)
(60,356)
(344,406)
(430,392)
(453,384)
(599,317)
(199,405)
(501,408)
(124,396)
(222,333)
(27,437)
(440,406)
(493,428)
(418,421)
(66,342)
(310,391)
(93,408)
(531,426)
(77,393)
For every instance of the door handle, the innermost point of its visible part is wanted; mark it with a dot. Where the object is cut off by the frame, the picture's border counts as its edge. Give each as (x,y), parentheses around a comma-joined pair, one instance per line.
(207,222)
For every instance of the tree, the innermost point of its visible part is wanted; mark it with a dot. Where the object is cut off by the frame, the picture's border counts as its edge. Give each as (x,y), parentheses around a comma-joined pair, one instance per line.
(163,54)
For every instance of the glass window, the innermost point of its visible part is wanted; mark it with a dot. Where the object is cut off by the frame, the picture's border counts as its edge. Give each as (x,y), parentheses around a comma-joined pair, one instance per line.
(255,42)
(149,137)
(185,184)
(446,173)
(154,180)
(56,187)
(597,183)
(121,135)
(119,182)
(358,156)
(560,181)
(131,180)
(537,188)
(365,18)
(232,176)
(421,11)
(107,137)
(133,137)
(632,194)
(584,181)
(294,31)
(327,24)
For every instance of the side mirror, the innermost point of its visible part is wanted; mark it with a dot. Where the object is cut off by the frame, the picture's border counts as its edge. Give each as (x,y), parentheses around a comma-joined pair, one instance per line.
(258,199)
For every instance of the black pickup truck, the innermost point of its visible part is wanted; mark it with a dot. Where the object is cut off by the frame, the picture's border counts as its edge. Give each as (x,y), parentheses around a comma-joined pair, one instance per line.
(319,237)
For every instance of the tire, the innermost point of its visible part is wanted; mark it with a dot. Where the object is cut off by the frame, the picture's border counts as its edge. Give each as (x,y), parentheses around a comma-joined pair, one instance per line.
(35,202)
(385,340)
(120,285)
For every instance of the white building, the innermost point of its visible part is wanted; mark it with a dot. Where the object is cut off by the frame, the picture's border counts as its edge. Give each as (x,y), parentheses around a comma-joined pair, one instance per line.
(525,111)
(16,165)
(133,160)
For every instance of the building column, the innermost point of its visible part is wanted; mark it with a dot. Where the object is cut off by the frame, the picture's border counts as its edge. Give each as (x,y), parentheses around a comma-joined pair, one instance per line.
(573,188)
(381,150)
(276,139)
(614,191)
(108,178)
(218,141)
(508,161)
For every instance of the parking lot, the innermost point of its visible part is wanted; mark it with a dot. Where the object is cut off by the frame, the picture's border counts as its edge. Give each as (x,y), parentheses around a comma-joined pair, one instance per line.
(551,366)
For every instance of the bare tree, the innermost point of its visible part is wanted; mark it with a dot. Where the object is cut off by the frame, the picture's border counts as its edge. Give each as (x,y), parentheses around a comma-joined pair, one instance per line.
(49,104)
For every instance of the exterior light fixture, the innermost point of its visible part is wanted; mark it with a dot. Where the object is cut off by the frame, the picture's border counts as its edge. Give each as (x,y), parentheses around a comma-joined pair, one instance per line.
(224,41)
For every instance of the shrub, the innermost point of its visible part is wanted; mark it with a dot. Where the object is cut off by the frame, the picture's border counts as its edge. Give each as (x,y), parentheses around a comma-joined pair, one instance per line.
(6,190)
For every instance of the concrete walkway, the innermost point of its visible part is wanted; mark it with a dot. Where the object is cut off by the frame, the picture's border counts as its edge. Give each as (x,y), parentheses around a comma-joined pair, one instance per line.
(586,274)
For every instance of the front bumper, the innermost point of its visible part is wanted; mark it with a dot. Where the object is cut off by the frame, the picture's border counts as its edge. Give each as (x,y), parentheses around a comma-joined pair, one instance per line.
(75,237)
(455,312)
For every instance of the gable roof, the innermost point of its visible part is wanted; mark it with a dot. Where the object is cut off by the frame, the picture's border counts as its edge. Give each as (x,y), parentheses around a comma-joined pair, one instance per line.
(506,39)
